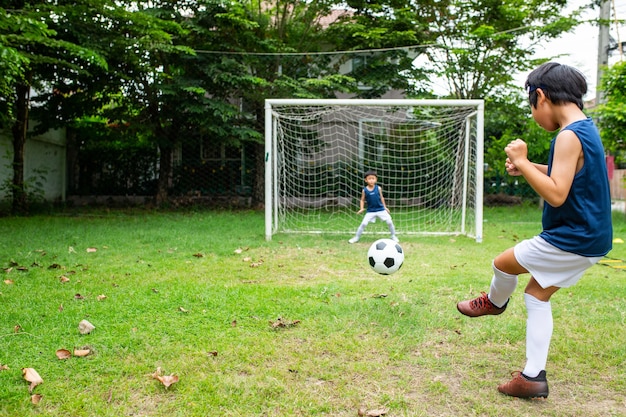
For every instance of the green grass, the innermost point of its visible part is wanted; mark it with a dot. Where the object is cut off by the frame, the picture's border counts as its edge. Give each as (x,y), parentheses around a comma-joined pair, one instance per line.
(178,297)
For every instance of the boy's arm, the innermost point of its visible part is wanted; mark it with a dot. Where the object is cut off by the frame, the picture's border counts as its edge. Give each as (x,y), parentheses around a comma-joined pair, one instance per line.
(554,188)
(511,169)
(362,203)
(382,199)
(542,167)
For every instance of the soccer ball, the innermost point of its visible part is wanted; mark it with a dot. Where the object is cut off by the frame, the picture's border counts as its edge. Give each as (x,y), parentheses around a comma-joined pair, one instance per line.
(385,256)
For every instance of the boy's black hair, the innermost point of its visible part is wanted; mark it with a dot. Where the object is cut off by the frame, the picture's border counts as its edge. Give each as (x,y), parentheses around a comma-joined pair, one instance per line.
(560,83)
(370,172)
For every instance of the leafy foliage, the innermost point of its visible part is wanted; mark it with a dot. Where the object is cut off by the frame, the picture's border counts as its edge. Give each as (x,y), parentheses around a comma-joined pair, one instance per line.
(15,29)
(201,70)
(612,113)
(384,36)
(481,44)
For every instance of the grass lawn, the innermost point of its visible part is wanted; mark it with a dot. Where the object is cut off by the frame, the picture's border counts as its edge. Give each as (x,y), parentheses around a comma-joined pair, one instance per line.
(298,326)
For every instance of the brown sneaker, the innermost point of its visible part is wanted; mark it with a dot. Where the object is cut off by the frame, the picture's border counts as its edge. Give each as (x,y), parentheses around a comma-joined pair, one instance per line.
(522,386)
(480,306)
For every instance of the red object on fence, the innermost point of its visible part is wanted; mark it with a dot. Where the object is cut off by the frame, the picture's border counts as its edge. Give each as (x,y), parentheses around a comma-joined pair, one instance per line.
(610,165)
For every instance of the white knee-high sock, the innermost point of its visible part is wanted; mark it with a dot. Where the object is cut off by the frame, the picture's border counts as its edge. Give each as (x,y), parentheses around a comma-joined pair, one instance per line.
(502,286)
(360,230)
(392,228)
(538,334)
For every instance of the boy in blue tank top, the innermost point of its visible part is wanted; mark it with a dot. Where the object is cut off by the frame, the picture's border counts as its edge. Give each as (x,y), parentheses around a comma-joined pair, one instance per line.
(376,207)
(576,221)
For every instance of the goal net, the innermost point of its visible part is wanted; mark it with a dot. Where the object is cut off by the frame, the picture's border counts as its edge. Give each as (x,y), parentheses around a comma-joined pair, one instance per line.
(427,154)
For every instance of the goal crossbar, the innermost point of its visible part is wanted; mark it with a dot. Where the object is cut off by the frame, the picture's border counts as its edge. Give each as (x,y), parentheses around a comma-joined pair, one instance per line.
(428,154)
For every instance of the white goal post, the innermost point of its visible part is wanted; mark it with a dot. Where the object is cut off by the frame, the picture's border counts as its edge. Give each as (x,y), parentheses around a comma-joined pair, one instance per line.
(428,155)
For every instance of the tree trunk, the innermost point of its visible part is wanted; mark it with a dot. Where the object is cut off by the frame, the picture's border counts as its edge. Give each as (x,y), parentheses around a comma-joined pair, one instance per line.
(258,187)
(165,171)
(73,167)
(19,130)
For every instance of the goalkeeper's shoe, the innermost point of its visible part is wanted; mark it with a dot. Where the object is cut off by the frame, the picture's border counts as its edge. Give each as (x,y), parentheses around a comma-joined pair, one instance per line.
(353,240)
(480,306)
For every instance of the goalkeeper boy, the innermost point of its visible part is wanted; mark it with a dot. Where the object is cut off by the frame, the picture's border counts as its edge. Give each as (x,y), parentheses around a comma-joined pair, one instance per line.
(376,207)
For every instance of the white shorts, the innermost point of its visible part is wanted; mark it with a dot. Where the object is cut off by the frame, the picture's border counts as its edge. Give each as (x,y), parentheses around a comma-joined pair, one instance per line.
(551,266)
(370,217)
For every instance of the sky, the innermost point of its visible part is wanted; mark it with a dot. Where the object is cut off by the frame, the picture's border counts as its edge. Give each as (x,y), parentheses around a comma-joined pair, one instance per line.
(580,47)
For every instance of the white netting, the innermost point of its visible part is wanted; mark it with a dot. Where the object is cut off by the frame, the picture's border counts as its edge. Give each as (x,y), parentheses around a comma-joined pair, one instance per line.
(425,155)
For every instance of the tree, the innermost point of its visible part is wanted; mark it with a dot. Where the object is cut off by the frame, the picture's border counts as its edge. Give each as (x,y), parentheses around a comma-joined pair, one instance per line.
(479,47)
(386,38)
(14,30)
(37,56)
(98,53)
(481,44)
(245,55)
(156,96)
(611,114)
(168,70)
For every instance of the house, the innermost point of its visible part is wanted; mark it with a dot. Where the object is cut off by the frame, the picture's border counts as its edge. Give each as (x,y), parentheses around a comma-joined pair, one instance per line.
(44,164)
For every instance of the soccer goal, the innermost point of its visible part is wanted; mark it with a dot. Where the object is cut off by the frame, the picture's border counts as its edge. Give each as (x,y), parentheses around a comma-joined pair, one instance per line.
(428,155)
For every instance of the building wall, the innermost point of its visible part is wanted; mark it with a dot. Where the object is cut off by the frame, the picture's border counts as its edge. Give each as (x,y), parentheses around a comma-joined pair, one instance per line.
(44,161)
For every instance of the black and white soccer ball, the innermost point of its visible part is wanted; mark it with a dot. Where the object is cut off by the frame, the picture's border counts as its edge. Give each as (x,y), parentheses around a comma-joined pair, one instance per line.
(385,256)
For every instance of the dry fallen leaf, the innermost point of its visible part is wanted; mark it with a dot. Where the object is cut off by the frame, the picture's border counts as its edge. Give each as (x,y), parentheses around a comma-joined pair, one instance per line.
(372,413)
(280,323)
(101,297)
(35,398)
(81,352)
(85,327)
(64,279)
(198,255)
(166,380)
(63,354)
(183,310)
(91,250)
(4,367)
(8,281)
(30,375)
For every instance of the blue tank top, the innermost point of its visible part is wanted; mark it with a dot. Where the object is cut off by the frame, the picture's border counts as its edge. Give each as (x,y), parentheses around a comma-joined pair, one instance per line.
(582,225)
(374,203)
